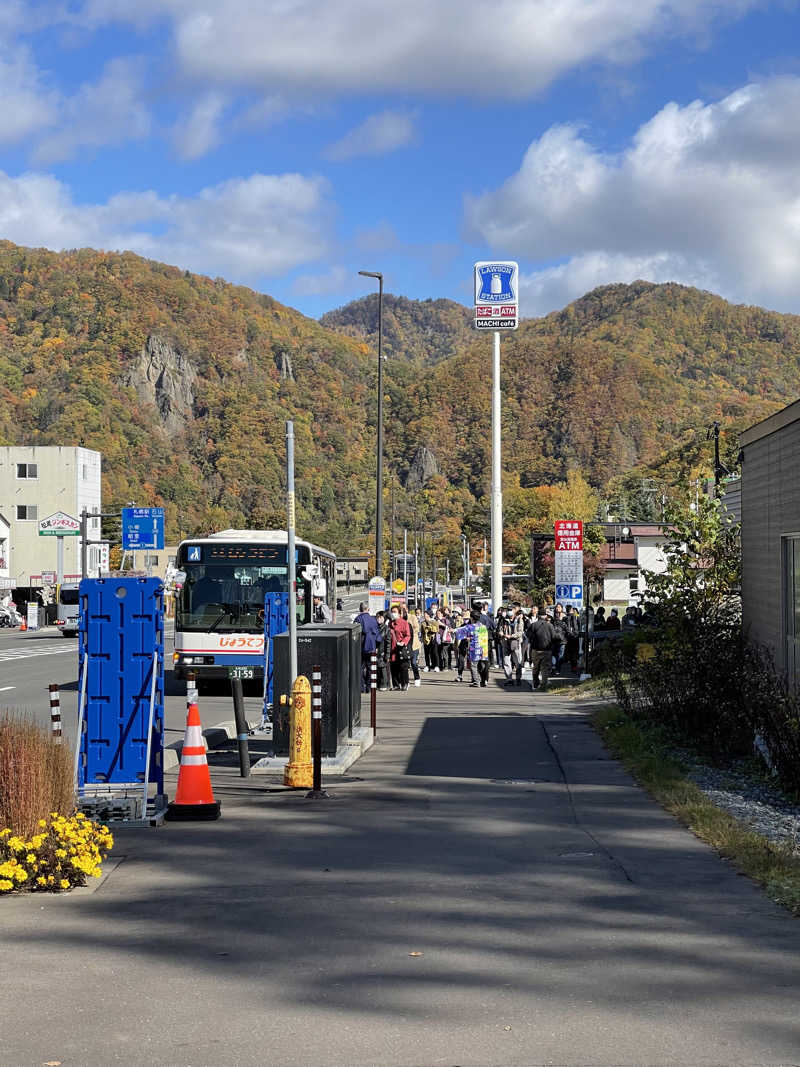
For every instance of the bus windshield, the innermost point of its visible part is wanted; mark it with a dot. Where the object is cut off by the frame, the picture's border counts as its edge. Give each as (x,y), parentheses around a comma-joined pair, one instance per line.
(224,589)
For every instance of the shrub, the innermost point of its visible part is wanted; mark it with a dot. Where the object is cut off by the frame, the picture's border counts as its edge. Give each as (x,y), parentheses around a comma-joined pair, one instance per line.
(62,853)
(36,775)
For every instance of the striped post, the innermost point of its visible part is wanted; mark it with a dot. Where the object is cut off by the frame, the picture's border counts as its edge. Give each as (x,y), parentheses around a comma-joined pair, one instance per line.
(373,693)
(316,792)
(191,689)
(55,713)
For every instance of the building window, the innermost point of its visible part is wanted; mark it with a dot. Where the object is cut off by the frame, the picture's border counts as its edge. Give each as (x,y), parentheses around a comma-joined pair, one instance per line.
(791,606)
(151,561)
(84,471)
(633,582)
(27,470)
(27,513)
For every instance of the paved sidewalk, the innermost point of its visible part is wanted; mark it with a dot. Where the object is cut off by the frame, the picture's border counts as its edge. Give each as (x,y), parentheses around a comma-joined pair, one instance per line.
(559,915)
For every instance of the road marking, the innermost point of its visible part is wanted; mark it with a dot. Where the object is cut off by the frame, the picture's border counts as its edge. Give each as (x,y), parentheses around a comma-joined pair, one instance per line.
(49,648)
(5,688)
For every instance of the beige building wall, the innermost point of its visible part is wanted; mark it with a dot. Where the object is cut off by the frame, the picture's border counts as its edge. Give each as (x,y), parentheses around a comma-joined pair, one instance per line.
(55,478)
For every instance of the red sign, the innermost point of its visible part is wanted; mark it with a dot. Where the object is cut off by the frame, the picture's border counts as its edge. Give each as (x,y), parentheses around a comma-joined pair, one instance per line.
(569,535)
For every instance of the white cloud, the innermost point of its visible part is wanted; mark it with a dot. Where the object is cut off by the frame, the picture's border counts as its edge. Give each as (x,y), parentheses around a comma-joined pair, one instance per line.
(708,194)
(109,111)
(417,46)
(27,105)
(200,132)
(337,279)
(375,136)
(242,229)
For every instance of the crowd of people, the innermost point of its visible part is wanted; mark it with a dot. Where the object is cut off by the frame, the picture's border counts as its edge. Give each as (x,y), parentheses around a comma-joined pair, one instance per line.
(408,644)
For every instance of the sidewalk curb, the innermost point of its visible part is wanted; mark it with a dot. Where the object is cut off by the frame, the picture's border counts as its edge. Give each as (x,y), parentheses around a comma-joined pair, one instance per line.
(352,749)
(214,736)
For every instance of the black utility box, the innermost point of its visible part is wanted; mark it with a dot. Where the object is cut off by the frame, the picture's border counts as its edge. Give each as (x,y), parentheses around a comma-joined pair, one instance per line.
(353,632)
(326,647)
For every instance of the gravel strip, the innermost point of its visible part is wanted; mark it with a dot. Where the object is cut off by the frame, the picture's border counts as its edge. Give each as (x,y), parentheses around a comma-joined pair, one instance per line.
(761,806)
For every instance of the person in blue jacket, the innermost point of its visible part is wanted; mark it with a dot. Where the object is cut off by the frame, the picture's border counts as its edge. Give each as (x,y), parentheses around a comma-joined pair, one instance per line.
(369,642)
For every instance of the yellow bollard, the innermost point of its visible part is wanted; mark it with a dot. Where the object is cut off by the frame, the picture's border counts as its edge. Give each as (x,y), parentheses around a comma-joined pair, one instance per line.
(299,773)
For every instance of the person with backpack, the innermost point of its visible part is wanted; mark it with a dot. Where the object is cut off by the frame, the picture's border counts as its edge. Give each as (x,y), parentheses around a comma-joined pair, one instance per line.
(477,637)
(572,627)
(383,650)
(502,637)
(516,626)
(369,642)
(400,633)
(487,620)
(430,628)
(560,640)
(445,645)
(542,636)
(412,618)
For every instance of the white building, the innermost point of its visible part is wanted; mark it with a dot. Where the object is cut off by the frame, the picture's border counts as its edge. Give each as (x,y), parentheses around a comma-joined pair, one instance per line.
(36,481)
(631,552)
(5,552)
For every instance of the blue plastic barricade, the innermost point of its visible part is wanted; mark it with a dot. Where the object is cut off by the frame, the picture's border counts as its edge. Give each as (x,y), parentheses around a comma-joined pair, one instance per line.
(120,742)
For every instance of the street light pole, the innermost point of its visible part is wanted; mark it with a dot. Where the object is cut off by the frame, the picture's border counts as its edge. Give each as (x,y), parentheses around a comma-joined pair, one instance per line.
(379,472)
(497,485)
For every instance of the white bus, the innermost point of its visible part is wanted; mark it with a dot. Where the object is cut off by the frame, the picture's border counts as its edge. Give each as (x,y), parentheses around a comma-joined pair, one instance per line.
(219,609)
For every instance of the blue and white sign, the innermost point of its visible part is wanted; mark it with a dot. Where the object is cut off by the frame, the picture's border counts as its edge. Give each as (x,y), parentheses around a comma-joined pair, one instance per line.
(194,554)
(496,303)
(142,528)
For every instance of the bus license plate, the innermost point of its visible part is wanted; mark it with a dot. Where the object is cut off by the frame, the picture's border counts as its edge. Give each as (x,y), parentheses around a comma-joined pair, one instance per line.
(241,672)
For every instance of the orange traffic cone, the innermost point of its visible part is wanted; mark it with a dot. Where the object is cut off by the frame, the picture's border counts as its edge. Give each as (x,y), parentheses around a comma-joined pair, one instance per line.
(23,626)
(194,798)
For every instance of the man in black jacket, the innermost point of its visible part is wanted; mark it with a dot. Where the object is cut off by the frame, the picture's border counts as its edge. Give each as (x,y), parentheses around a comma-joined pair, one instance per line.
(573,628)
(541,636)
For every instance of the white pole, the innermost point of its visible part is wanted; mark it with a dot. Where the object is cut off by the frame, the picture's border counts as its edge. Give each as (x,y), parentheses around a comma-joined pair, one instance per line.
(405,562)
(497,485)
(60,561)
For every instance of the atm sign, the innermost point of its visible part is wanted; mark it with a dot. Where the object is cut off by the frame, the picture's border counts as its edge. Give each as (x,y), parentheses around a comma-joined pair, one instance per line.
(569,535)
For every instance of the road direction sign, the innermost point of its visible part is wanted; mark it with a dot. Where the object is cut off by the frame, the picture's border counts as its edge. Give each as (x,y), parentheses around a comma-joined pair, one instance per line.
(142,528)
(59,524)
(496,302)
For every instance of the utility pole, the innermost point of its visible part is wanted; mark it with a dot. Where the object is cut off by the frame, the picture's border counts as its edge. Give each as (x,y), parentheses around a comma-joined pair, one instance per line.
(379,472)
(394,553)
(497,485)
(290,552)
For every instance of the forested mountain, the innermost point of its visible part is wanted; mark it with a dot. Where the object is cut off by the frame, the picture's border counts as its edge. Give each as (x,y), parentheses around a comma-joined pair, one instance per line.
(184,384)
(422,331)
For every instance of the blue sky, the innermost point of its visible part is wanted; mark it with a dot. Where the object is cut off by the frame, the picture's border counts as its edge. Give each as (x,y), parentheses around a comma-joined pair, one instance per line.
(286,144)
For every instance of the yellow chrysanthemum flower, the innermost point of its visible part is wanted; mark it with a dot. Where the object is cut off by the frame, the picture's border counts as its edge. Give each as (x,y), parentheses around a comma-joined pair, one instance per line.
(5,885)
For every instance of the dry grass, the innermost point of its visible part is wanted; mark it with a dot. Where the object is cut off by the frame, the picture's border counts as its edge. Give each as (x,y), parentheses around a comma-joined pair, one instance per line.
(35,775)
(775,867)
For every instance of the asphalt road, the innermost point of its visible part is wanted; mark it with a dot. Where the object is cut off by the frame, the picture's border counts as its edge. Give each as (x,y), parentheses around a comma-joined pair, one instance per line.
(30,662)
